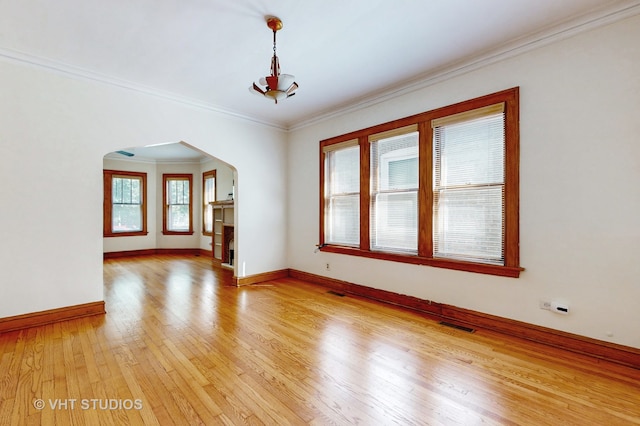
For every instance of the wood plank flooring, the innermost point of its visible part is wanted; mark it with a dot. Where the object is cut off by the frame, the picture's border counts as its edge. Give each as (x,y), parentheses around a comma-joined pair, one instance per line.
(180,346)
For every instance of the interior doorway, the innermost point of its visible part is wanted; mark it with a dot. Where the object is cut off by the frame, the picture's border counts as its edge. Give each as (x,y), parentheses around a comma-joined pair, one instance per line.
(209,180)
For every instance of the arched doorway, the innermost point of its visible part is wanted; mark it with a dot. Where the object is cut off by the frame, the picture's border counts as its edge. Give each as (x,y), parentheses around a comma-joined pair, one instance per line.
(205,176)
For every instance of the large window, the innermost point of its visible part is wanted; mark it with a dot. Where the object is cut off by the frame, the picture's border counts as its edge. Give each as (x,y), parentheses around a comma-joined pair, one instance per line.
(177,194)
(208,196)
(439,188)
(125,209)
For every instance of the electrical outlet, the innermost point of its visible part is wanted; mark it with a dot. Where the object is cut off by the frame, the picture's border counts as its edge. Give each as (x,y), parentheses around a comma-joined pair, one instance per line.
(327,267)
(545,304)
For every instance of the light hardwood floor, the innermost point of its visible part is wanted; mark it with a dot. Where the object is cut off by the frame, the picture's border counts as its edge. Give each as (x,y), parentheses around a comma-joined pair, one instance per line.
(180,346)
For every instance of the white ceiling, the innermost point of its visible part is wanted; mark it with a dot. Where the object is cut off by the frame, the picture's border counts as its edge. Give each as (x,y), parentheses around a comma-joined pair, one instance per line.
(163,152)
(342,52)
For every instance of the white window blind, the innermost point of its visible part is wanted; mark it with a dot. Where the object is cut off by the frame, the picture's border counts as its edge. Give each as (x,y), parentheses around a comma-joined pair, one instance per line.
(342,194)
(394,191)
(126,214)
(469,153)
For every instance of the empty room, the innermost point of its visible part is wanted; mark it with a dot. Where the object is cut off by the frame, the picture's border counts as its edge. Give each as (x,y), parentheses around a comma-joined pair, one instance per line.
(320,212)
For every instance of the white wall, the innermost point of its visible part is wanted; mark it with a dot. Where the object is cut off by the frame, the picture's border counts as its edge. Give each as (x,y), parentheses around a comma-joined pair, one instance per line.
(225,177)
(54,133)
(580,193)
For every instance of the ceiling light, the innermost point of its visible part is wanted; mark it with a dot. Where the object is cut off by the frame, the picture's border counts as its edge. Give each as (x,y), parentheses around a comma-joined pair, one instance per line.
(276,86)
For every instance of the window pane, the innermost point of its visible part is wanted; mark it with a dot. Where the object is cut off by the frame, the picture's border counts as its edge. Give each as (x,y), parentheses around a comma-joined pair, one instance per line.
(394,193)
(209,190)
(135,191)
(116,185)
(344,170)
(396,221)
(208,197)
(471,152)
(343,223)
(126,190)
(468,222)
(178,219)
(126,218)
(342,199)
(178,191)
(208,218)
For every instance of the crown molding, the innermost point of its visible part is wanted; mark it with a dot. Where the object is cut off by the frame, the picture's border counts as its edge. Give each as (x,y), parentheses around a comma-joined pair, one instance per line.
(596,18)
(583,23)
(72,71)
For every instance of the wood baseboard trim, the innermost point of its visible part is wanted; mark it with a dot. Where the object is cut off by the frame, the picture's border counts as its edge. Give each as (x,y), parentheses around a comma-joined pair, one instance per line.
(620,354)
(50,316)
(426,306)
(612,352)
(128,253)
(151,252)
(260,278)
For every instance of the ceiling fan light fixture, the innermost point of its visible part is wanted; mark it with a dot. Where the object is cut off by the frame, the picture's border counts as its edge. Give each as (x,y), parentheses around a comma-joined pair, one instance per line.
(276,86)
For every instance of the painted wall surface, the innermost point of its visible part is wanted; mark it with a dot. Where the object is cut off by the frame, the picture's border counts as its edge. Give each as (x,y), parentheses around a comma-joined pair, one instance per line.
(580,188)
(54,133)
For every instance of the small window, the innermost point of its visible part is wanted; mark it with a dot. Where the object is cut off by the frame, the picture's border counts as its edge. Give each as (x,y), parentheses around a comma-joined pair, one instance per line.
(178,196)
(208,196)
(125,211)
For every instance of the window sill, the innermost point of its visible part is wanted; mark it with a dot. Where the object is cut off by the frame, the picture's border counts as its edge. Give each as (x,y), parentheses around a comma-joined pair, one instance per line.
(177,232)
(125,234)
(479,268)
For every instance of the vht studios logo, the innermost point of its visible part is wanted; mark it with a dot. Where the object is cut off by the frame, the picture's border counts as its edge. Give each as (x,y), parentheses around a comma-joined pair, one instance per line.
(88,404)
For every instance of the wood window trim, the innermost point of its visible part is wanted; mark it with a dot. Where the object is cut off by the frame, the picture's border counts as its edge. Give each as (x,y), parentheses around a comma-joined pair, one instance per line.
(206,175)
(107,209)
(511,267)
(165,206)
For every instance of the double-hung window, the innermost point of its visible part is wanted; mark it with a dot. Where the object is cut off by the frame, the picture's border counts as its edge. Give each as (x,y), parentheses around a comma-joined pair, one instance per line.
(208,196)
(342,190)
(440,188)
(468,186)
(394,190)
(178,203)
(125,209)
